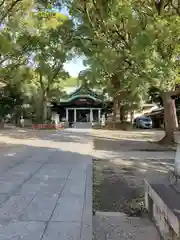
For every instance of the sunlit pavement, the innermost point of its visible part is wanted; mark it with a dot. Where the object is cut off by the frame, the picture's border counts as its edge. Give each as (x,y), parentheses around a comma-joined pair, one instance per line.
(46,185)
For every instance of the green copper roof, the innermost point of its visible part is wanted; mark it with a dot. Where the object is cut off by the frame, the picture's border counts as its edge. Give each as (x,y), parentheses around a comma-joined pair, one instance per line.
(80,96)
(81,92)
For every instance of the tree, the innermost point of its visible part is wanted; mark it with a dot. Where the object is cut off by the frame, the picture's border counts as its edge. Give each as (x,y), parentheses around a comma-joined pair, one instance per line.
(139,39)
(49,44)
(164,33)
(10,100)
(34,39)
(108,34)
(155,96)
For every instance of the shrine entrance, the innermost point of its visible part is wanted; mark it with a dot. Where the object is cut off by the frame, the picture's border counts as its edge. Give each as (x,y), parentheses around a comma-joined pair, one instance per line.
(83,114)
(83,105)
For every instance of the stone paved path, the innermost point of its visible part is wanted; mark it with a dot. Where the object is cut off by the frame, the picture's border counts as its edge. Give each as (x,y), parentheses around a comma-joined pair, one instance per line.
(46,186)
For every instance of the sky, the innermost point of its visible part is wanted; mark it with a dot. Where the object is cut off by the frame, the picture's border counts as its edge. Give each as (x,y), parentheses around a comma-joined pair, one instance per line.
(76,65)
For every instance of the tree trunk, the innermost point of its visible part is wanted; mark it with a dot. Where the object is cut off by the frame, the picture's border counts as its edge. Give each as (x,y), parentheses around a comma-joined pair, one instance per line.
(116,103)
(44,107)
(170,119)
(132,116)
(1,123)
(115,108)
(122,113)
(45,111)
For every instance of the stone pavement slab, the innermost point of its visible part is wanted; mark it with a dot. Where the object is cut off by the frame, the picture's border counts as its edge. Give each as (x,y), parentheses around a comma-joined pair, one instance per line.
(25,169)
(2,197)
(13,156)
(62,231)
(44,190)
(74,188)
(15,230)
(8,186)
(69,209)
(44,186)
(53,171)
(14,206)
(40,208)
(86,231)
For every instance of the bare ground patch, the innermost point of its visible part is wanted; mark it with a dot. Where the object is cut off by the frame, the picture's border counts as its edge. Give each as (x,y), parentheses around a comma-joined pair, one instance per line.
(120,187)
(118,182)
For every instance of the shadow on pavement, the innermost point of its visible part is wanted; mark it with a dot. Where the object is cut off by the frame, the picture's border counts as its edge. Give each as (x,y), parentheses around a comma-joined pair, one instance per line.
(22,153)
(33,180)
(67,135)
(109,144)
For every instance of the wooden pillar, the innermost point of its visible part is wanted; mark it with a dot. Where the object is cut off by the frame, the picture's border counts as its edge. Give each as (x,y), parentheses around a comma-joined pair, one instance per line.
(99,115)
(91,115)
(67,115)
(74,114)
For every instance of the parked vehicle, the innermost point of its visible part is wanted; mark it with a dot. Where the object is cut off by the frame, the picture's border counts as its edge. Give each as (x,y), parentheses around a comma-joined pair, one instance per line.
(143,122)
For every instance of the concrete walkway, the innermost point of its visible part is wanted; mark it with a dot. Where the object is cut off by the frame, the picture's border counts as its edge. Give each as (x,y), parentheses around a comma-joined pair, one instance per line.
(46,185)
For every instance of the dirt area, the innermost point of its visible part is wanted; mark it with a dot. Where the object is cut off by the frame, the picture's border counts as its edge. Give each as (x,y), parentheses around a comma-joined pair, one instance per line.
(134,140)
(113,186)
(121,227)
(129,157)
(120,188)
(119,178)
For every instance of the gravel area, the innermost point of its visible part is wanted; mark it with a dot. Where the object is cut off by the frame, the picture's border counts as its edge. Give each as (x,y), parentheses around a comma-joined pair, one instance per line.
(114,227)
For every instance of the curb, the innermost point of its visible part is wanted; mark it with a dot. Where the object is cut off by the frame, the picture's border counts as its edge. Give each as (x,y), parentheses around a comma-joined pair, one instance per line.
(110,214)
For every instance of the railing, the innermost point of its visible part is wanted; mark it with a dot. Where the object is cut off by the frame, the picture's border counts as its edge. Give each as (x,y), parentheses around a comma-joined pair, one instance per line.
(175,174)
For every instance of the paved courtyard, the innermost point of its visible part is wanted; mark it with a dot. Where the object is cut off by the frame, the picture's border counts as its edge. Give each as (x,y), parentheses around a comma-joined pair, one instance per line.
(46,185)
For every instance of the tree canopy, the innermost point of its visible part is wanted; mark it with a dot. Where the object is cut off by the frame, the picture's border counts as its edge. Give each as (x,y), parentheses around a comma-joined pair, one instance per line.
(35,44)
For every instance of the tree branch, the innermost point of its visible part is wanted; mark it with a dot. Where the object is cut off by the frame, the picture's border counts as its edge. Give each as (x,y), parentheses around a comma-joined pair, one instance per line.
(175,92)
(177,9)
(55,73)
(1,4)
(9,10)
(87,14)
(41,81)
(57,70)
(3,60)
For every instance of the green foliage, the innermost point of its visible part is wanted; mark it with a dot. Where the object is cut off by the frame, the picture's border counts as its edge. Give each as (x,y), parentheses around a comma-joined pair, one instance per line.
(52,43)
(131,40)
(34,47)
(10,100)
(155,96)
(71,82)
